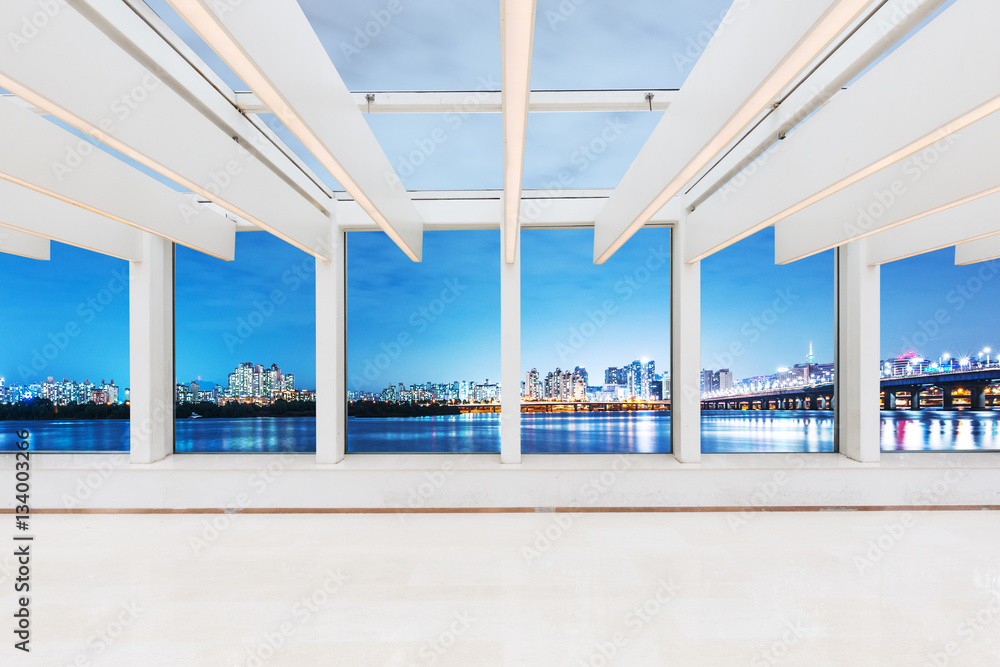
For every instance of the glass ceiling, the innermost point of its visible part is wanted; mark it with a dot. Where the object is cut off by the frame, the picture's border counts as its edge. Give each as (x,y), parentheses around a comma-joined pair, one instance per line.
(627,44)
(590,150)
(425,46)
(637,44)
(434,151)
(578,45)
(631,44)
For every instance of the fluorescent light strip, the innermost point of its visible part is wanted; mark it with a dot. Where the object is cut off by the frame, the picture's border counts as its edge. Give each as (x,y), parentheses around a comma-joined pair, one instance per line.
(963,121)
(807,50)
(517,37)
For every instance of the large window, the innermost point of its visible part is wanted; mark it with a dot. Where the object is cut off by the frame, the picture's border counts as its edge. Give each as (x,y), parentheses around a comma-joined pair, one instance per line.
(423,344)
(245,349)
(940,341)
(595,343)
(64,364)
(767,350)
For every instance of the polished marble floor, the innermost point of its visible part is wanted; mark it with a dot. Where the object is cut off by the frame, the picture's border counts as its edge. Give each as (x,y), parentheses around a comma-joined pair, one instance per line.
(825,588)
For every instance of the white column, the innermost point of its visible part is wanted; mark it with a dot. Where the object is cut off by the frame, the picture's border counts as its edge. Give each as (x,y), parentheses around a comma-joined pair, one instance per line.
(510,355)
(857,368)
(151,353)
(685,349)
(331,354)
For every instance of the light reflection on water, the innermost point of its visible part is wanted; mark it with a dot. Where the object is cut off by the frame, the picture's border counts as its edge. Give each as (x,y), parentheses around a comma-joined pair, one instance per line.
(735,431)
(931,431)
(639,432)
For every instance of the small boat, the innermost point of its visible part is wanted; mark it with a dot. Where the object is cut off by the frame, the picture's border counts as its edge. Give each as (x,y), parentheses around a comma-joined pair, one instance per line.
(195,415)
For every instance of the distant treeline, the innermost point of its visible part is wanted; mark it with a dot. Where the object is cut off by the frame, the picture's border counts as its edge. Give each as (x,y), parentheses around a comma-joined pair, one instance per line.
(43,408)
(237,410)
(379,409)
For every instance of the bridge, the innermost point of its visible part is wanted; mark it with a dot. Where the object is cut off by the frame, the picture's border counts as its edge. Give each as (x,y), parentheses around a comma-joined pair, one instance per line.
(954,389)
(571,406)
(817,397)
(950,390)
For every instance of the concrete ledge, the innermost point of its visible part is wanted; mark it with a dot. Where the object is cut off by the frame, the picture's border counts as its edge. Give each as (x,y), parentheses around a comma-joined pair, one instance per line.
(474,481)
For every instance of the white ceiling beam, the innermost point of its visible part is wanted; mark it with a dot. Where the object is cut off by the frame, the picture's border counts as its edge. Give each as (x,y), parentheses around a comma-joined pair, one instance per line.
(490,101)
(888,25)
(517,37)
(192,77)
(297,81)
(38,154)
(484,210)
(26,210)
(74,71)
(26,245)
(760,49)
(951,172)
(882,119)
(484,101)
(982,250)
(974,220)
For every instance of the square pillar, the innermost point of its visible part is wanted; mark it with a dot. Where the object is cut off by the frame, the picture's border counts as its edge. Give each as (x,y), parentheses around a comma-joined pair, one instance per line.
(685,350)
(510,354)
(331,353)
(151,351)
(857,365)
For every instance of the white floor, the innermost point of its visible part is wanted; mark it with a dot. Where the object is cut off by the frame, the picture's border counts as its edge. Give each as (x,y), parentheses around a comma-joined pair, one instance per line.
(829,588)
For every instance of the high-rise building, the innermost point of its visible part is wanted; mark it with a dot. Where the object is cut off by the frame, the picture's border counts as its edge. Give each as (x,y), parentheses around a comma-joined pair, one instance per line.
(708,381)
(640,376)
(271,380)
(616,375)
(725,381)
(533,390)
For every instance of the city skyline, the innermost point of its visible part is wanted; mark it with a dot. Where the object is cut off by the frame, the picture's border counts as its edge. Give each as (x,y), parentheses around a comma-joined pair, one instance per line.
(72,313)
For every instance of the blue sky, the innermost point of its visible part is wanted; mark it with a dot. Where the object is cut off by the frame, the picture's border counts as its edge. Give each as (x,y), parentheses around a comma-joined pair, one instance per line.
(928,304)
(758,317)
(43,303)
(933,307)
(259,308)
(456,47)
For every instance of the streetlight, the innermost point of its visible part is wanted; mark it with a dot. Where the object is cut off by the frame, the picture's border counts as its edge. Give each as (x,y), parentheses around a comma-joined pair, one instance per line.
(987,351)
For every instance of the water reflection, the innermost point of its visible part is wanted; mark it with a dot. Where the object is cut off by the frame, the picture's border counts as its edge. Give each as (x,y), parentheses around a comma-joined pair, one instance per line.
(940,431)
(541,433)
(737,431)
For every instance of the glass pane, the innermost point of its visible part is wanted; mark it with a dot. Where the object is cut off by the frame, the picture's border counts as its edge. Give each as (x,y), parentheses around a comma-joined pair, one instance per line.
(939,349)
(631,44)
(423,344)
(401,45)
(64,364)
(246,349)
(595,343)
(583,150)
(767,350)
